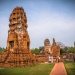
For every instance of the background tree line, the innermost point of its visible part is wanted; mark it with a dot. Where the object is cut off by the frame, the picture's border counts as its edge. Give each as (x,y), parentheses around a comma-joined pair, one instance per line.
(37,50)
(67,50)
(2,49)
(41,49)
(62,50)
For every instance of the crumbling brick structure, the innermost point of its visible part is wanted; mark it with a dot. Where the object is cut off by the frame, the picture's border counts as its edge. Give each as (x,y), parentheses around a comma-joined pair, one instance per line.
(55,49)
(47,47)
(17,52)
(49,50)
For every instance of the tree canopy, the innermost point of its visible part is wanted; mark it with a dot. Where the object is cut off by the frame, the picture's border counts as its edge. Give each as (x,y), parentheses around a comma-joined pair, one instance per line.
(67,50)
(2,50)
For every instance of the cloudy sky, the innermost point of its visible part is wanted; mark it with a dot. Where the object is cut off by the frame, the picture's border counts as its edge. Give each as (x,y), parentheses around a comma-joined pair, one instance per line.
(46,19)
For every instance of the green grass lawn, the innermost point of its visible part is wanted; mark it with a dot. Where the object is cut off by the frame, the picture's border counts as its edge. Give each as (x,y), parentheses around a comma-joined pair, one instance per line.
(70,68)
(40,69)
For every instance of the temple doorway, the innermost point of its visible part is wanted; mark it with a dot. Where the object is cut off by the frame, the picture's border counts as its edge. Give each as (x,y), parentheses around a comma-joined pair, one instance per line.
(11,44)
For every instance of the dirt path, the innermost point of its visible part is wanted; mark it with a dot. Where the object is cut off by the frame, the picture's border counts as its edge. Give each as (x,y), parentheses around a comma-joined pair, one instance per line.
(58,69)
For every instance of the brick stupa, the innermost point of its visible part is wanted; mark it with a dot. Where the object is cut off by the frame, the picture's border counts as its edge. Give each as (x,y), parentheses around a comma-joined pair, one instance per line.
(18,51)
(55,49)
(47,47)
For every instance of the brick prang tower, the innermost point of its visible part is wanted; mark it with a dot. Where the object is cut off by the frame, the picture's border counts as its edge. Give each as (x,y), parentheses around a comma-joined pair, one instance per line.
(47,47)
(18,51)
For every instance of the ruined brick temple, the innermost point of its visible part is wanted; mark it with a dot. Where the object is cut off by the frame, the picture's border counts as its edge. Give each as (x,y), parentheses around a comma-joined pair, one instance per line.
(18,51)
(53,49)
(49,50)
(47,47)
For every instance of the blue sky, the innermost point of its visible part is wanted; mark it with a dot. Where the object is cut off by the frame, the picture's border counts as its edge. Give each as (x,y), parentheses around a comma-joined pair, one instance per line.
(46,19)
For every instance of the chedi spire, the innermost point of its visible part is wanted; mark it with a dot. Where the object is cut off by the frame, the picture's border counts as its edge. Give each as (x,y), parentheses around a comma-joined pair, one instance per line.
(18,42)
(17,33)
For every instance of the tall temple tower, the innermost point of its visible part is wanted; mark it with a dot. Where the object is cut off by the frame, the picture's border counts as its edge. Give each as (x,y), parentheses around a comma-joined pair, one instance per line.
(55,48)
(47,47)
(18,42)
(17,34)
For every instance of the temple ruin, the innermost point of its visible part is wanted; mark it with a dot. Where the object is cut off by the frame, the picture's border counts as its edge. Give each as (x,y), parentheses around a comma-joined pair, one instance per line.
(18,51)
(53,49)
(47,47)
(49,50)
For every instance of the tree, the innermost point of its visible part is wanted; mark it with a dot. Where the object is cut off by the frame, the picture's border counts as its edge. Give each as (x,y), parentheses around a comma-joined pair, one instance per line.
(62,51)
(66,48)
(41,48)
(2,49)
(71,50)
(35,51)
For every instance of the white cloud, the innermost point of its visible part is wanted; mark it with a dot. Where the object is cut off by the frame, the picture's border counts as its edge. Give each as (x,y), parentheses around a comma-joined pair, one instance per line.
(51,25)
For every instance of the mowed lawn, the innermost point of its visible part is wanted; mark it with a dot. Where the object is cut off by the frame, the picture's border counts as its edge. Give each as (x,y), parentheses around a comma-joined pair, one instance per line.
(40,69)
(70,68)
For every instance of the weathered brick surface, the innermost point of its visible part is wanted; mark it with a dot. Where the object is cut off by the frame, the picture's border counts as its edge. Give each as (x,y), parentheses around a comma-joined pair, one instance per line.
(49,50)
(18,42)
(55,49)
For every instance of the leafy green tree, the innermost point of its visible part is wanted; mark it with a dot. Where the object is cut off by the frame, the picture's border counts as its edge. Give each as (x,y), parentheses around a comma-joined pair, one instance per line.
(35,51)
(2,50)
(41,48)
(62,51)
(66,48)
(71,50)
